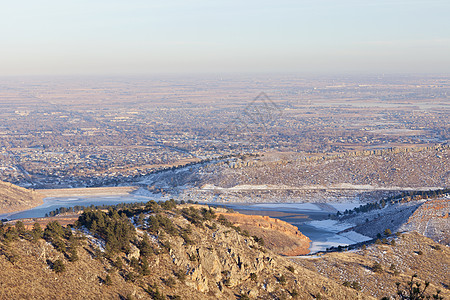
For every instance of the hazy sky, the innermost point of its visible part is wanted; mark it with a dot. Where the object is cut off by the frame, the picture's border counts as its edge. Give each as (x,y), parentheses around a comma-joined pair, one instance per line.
(317,36)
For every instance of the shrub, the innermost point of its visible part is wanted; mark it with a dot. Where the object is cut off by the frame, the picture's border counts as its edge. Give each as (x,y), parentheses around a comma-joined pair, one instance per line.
(161,222)
(193,215)
(108,280)
(208,214)
(414,291)
(291,269)
(168,205)
(73,254)
(392,267)
(20,227)
(222,220)
(10,234)
(134,263)
(387,232)
(253,276)
(355,285)
(54,233)
(131,276)
(144,247)
(36,232)
(118,263)
(377,268)
(181,275)
(145,268)
(153,206)
(170,282)
(58,266)
(259,240)
(294,293)
(154,292)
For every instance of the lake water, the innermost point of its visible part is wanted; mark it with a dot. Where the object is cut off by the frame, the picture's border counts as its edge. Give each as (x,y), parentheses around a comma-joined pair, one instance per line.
(305,216)
(52,203)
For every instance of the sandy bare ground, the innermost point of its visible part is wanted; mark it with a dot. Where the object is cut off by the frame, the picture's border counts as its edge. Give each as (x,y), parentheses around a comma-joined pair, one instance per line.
(97,191)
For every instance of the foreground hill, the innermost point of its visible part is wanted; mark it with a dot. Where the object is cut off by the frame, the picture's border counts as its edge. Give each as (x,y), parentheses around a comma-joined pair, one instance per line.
(171,253)
(14,198)
(165,251)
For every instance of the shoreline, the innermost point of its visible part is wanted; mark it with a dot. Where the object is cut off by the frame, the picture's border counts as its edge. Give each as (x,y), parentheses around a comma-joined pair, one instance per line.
(272,209)
(88,191)
(41,195)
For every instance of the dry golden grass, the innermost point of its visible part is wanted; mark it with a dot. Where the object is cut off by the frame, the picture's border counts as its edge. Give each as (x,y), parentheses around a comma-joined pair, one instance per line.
(15,198)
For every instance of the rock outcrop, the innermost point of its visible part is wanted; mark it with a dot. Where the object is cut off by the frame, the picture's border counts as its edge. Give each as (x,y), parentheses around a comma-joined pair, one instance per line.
(228,264)
(279,236)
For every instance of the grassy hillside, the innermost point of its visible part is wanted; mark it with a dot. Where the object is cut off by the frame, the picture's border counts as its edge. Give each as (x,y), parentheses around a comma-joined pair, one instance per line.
(399,258)
(14,198)
(169,251)
(172,253)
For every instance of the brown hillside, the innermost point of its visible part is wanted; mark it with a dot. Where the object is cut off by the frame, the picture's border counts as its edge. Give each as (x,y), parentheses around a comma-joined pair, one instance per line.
(412,253)
(215,261)
(15,198)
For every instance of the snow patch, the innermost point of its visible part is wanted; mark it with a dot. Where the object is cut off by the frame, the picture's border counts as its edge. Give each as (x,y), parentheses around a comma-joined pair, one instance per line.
(331,225)
(343,239)
(355,236)
(288,206)
(343,206)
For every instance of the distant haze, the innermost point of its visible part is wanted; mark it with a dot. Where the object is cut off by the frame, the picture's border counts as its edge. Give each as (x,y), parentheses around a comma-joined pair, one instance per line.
(141,37)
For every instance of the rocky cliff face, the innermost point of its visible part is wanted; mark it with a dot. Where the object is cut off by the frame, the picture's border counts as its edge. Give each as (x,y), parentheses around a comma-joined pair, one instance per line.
(14,198)
(279,236)
(226,264)
(223,262)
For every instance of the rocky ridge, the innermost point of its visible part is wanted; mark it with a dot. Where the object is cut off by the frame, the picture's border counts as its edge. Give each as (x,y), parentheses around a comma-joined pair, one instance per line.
(301,177)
